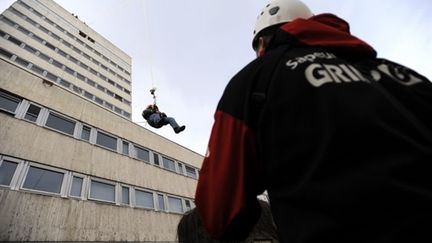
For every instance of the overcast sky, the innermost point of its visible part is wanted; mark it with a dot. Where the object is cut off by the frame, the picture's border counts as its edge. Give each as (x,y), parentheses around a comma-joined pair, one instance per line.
(190,49)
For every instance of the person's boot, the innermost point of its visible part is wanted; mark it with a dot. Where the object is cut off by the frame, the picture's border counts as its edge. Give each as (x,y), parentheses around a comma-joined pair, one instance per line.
(179,129)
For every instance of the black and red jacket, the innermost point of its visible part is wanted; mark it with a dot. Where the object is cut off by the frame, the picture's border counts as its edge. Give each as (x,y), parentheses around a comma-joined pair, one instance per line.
(340,139)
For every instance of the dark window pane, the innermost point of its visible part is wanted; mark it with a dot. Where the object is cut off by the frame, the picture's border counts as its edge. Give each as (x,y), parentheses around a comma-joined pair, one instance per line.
(22,62)
(5,53)
(168,164)
(23,30)
(91,82)
(188,205)
(50,46)
(102,191)
(80,77)
(175,204)
(37,38)
(8,102)
(43,180)
(30,49)
(44,57)
(83,65)
(7,170)
(125,195)
(161,202)
(61,52)
(14,40)
(57,64)
(125,149)
(51,77)
(65,83)
(37,69)
(155,159)
(98,100)
(69,70)
(144,199)
(61,124)
(32,113)
(142,154)
(85,134)
(88,95)
(106,141)
(76,186)
(191,172)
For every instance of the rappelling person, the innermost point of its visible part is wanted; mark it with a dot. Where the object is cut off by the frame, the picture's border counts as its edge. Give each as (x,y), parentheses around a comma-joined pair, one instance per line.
(158,119)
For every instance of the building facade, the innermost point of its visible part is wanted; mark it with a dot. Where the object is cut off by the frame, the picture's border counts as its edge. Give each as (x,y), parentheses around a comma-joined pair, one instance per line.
(73,167)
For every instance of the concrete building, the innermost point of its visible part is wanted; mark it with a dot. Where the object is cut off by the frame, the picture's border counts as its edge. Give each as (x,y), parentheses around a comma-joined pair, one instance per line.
(73,167)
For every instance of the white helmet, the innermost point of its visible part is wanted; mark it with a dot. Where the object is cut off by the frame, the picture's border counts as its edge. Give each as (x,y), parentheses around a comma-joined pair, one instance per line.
(280,11)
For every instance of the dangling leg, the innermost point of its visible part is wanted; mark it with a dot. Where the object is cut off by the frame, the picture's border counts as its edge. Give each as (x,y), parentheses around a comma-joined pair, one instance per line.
(174,125)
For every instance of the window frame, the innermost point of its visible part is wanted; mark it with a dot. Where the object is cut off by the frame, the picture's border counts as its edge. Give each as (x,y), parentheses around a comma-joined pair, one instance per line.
(83,185)
(146,191)
(15,174)
(43,167)
(103,181)
(169,205)
(108,135)
(63,117)
(12,98)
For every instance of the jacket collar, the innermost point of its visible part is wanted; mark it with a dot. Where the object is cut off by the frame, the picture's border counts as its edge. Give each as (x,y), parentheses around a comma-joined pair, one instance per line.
(325,31)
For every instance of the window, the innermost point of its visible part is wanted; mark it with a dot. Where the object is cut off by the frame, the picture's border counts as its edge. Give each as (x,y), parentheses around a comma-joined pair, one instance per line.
(106,140)
(22,62)
(61,124)
(73,59)
(80,76)
(44,57)
(50,46)
(188,205)
(14,40)
(83,65)
(125,195)
(190,171)
(30,49)
(43,180)
(57,64)
(180,168)
(175,204)
(69,70)
(144,199)
(125,149)
(88,95)
(32,113)
(37,69)
(37,38)
(168,164)
(155,159)
(51,77)
(161,202)
(7,170)
(91,82)
(98,100)
(65,83)
(8,103)
(5,53)
(142,154)
(102,191)
(76,89)
(108,105)
(85,133)
(118,110)
(23,30)
(76,187)
(61,52)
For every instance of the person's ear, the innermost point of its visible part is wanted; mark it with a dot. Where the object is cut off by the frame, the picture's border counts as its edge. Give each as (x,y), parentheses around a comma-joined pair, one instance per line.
(262,45)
